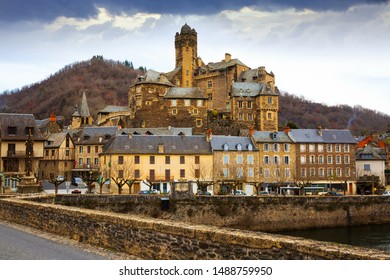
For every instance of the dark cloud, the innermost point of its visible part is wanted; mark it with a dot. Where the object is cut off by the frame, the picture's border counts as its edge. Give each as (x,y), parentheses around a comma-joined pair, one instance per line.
(47,10)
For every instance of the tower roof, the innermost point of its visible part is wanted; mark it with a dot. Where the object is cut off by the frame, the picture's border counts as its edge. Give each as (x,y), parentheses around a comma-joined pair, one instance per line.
(84,109)
(186,29)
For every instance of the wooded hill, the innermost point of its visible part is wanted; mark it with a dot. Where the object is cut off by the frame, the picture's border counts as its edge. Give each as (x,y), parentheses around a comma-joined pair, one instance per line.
(107,82)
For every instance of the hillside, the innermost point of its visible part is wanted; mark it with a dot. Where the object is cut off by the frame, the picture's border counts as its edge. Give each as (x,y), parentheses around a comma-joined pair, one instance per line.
(107,82)
(104,82)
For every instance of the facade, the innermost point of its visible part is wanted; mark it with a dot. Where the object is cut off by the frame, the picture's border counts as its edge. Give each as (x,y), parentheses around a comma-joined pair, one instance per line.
(58,156)
(185,96)
(235,161)
(21,147)
(325,159)
(277,160)
(371,161)
(88,143)
(156,160)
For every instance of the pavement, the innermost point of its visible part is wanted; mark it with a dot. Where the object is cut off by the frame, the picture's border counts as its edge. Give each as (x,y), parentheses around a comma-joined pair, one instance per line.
(63,188)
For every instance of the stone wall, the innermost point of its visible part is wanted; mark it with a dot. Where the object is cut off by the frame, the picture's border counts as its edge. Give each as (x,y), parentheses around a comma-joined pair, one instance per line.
(151,238)
(270,214)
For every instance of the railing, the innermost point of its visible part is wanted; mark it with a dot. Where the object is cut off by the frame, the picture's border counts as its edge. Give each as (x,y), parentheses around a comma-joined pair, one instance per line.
(19,154)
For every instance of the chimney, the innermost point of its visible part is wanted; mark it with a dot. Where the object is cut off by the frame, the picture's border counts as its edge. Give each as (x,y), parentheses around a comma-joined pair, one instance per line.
(251,131)
(52,117)
(375,137)
(228,57)
(209,135)
(287,129)
(319,130)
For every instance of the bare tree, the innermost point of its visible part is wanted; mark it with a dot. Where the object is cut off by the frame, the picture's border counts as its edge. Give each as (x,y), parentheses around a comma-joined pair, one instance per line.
(203,174)
(124,176)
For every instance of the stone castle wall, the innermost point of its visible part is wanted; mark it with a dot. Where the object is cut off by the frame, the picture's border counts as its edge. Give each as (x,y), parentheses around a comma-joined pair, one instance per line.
(151,238)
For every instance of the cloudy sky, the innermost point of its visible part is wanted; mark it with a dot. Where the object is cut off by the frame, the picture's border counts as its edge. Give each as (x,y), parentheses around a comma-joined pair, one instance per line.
(332,52)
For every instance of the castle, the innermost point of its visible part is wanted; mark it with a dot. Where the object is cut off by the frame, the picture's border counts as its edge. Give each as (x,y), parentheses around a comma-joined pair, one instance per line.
(225,93)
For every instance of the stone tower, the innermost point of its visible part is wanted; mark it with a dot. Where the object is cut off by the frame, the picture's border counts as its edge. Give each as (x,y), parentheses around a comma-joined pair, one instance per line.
(82,117)
(186,46)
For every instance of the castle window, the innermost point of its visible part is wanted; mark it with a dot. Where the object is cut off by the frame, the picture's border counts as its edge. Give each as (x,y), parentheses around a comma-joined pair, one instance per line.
(187,102)
(195,111)
(173,102)
(174,112)
(269,100)
(199,102)
(269,115)
(240,104)
(249,105)
(210,84)
(199,123)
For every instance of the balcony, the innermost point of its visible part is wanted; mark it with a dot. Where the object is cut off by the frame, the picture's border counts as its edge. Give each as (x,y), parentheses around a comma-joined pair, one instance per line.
(160,178)
(19,154)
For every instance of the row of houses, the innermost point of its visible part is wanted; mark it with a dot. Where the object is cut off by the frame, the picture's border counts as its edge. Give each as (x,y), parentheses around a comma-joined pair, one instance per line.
(319,159)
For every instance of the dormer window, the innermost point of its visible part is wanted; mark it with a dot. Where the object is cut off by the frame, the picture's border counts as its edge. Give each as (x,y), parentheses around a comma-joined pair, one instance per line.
(12,130)
(29,130)
(239,147)
(225,147)
(107,136)
(250,147)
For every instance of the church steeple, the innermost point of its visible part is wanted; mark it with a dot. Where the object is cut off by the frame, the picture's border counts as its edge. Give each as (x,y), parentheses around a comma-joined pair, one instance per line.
(81,116)
(84,109)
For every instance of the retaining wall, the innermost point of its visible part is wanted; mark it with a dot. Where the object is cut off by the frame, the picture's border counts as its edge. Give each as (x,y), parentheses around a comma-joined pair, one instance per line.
(151,238)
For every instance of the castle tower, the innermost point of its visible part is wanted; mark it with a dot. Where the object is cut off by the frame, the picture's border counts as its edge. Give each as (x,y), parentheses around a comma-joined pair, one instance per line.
(186,46)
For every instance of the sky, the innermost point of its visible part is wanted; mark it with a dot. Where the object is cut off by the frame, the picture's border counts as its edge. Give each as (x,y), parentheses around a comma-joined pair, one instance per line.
(335,52)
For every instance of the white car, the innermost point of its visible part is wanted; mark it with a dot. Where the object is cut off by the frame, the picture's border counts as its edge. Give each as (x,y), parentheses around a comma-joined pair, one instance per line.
(386,192)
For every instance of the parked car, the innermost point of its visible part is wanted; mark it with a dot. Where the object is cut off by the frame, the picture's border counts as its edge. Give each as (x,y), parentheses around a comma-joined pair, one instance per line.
(386,192)
(78,182)
(263,193)
(60,178)
(147,192)
(203,193)
(333,194)
(239,192)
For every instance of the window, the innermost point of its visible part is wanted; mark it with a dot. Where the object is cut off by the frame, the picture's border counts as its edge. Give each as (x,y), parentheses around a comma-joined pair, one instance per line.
(286,147)
(269,100)
(321,172)
(225,172)
(120,173)
(12,130)
(182,160)
(276,160)
(312,172)
(197,160)
(337,148)
(320,148)
(249,104)
(187,72)
(346,148)
(151,174)
(347,172)
(346,160)
(266,147)
(329,148)
(286,160)
(320,159)
(287,172)
(250,117)
(312,159)
(167,160)
(136,159)
(47,153)
(367,167)
(266,173)
(96,149)
(137,173)
(240,104)
(275,147)
(209,83)
(96,161)
(80,161)
(88,161)
(266,159)
(303,159)
(120,159)
(338,159)
(269,115)
(303,172)
(182,173)
(88,149)
(167,174)
(195,111)
(240,173)
(52,153)
(277,173)
(311,148)
(151,160)
(199,103)
(239,159)
(187,102)
(199,123)
(197,173)
(240,116)
(329,172)
(250,159)
(250,172)
(187,83)
(173,102)
(302,148)
(226,159)
(80,149)
(338,172)
(329,160)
